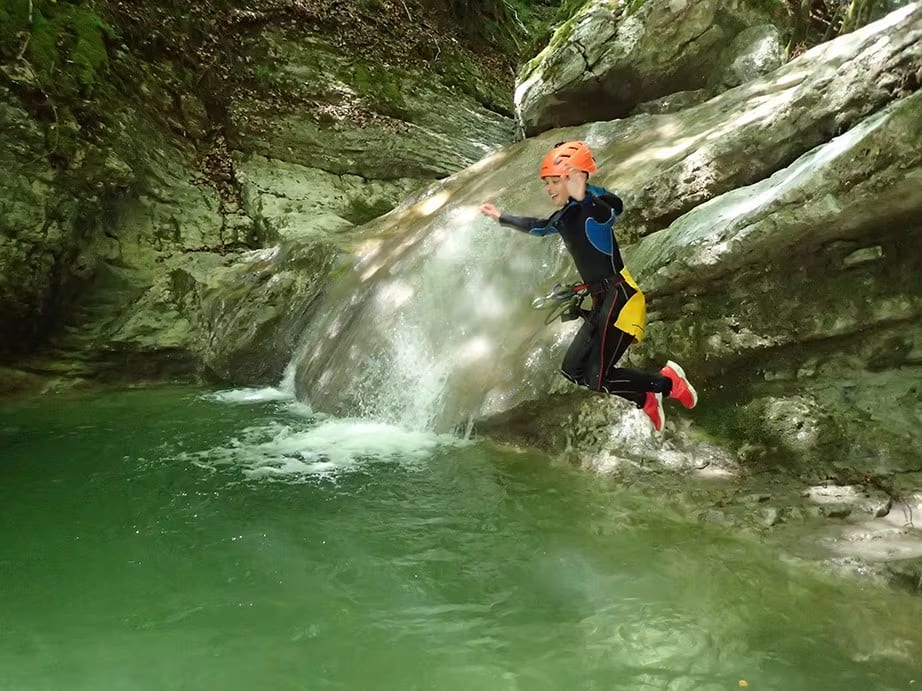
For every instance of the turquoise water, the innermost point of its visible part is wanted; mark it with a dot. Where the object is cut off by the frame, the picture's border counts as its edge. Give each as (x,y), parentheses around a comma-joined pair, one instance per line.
(169,539)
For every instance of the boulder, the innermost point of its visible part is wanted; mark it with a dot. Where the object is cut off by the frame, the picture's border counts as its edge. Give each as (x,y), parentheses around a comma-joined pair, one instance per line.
(760,283)
(754,53)
(610,57)
(239,316)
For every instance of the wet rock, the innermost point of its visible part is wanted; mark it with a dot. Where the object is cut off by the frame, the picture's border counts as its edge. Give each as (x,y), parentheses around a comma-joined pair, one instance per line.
(836,510)
(756,498)
(714,516)
(769,516)
(872,502)
(15,382)
(673,103)
(906,574)
(876,541)
(239,316)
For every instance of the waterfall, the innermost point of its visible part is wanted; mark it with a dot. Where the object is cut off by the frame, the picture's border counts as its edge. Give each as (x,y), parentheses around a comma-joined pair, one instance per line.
(433,325)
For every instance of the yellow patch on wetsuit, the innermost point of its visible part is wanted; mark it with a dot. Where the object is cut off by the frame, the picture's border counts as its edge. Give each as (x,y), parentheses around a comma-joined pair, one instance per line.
(632,318)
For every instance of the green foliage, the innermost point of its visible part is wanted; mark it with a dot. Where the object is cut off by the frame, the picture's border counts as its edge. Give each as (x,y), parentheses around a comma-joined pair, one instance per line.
(266,74)
(561,34)
(815,21)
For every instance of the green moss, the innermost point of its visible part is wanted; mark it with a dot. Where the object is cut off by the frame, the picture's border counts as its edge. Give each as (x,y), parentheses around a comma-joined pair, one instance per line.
(561,35)
(268,75)
(14,19)
(377,85)
(43,51)
(458,71)
(67,47)
(89,53)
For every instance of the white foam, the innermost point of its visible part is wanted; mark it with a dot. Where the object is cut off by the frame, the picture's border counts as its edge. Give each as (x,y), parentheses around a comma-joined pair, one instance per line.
(325,450)
(251,395)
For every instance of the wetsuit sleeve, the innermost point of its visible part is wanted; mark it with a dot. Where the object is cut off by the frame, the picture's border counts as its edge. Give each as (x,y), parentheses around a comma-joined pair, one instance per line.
(528,224)
(602,207)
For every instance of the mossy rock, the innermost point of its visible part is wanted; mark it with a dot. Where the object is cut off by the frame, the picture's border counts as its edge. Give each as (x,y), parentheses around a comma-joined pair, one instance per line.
(67,46)
(14,24)
(380,87)
(14,382)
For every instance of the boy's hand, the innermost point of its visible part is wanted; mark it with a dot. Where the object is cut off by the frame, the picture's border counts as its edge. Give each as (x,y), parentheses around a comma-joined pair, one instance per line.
(576,183)
(491,211)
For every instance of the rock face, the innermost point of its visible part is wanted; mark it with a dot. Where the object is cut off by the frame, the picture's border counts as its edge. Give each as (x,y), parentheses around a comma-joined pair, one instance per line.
(754,53)
(241,315)
(289,200)
(745,134)
(113,227)
(852,331)
(351,118)
(787,285)
(31,243)
(611,57)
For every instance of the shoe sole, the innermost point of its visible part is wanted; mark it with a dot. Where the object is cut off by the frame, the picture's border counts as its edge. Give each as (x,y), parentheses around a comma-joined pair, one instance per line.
(677,368)
(662,413)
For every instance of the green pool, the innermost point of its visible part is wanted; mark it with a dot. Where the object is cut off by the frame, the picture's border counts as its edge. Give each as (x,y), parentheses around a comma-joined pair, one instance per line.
(175,538)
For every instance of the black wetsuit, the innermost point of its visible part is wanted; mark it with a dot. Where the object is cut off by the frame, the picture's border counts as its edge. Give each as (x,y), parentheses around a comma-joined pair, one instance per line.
(587,229)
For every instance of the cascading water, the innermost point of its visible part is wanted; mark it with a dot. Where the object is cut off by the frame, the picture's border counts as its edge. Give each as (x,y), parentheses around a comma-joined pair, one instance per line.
(434,325)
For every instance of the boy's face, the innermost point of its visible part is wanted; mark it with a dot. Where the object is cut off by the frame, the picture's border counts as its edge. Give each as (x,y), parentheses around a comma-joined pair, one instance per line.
(556,187)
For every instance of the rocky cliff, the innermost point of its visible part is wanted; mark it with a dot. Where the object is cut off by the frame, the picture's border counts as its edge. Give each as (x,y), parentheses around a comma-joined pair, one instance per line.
(151,144)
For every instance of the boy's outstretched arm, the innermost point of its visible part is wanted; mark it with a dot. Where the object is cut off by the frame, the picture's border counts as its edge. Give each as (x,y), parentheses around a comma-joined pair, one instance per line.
(526,224)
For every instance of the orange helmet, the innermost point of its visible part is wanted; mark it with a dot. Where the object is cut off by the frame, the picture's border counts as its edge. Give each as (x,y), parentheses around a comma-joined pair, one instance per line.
(565,155)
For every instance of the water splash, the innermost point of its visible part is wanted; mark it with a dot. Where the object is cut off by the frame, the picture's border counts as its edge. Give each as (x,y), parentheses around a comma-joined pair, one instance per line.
(319,451)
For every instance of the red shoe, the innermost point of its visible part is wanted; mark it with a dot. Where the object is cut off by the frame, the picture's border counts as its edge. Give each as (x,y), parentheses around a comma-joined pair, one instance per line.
(682,390)
(653,407)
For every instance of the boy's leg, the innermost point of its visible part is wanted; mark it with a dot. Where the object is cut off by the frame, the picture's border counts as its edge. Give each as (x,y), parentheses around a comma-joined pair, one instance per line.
(573,366)
(634,384)
(609,346)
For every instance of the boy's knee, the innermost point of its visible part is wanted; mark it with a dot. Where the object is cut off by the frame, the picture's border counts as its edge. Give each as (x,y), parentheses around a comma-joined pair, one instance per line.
(583,379)
(571,375)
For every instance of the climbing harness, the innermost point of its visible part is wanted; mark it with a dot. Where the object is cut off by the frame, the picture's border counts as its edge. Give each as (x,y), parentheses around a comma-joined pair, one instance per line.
(563,302)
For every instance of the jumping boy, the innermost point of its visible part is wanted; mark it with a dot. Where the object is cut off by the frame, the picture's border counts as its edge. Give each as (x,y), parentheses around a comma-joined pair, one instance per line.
(585,221)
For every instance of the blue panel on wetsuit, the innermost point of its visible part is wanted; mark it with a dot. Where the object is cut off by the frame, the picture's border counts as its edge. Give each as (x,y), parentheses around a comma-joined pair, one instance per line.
(600,235)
